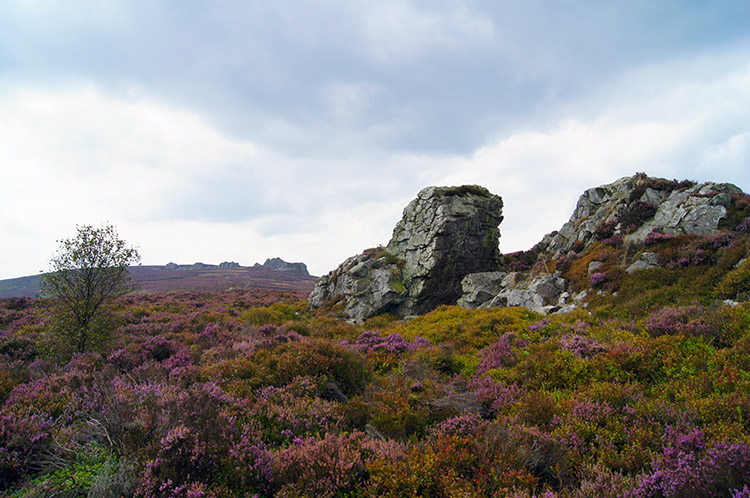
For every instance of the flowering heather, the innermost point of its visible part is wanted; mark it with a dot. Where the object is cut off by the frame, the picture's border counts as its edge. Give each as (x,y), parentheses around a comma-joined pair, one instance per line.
(253,395)
(463,425)
(744,226)
(582,347)
(539,326)
(371,340)
(493,397)
(615,241)
(501,353)
(656,237)
(689,467)
(688,320)
(597,278)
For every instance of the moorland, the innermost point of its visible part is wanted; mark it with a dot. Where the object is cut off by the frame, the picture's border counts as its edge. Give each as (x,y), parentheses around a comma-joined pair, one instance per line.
(642,390)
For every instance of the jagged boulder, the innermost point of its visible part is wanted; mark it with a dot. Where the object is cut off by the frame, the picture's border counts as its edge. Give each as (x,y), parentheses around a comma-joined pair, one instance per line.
(281,265)
(444,234)
(370,283)
(478,288)
(546,293)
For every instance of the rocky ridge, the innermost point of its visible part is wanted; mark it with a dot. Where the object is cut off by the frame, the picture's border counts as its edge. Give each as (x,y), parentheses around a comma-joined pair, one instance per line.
(445,248)
(622,214)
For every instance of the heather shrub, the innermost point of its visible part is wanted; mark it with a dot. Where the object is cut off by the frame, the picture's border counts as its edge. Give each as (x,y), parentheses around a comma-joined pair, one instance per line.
(744,227)
(635,214)
(655,237)
(326,467)
(23,437)
(493,398)
(521,260)
(312,357)
(501,353)
(605,230)
(580,346)
(295,411)
(690,466)
(597,278)
(597,481)
(192,449)
(385,352)
(691,320)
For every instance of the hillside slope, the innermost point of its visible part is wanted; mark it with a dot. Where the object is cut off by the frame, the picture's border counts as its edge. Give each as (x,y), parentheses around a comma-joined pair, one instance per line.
(158,279)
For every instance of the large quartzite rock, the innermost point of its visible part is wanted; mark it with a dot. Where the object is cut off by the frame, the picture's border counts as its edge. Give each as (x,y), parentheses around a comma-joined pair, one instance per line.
(444,234)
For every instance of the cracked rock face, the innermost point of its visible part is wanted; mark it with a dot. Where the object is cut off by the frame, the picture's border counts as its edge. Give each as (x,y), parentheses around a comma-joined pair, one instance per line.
(680,209)
(630,208)
(444,234)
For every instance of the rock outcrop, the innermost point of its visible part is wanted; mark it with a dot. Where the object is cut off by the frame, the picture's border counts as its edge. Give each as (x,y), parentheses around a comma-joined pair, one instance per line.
(281,265)
(194,266)
(445,248)
(546,293)
(445,234)
(633,207)
(623,213)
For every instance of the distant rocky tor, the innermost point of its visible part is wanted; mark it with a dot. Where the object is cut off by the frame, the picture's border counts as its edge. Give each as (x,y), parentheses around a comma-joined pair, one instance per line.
(445,249)
(281,265)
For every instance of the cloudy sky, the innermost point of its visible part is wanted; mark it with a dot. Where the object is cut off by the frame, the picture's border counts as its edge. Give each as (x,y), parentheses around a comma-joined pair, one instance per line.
(240,130)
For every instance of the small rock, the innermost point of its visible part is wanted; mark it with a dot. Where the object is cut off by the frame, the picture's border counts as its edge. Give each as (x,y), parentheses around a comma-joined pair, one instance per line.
(594,266)
(645,261)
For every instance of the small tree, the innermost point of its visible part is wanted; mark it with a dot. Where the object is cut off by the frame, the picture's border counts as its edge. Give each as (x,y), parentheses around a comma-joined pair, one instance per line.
(88,272)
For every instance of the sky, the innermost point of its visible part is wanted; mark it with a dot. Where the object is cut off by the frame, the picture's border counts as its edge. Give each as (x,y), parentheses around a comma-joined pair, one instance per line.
(222,130)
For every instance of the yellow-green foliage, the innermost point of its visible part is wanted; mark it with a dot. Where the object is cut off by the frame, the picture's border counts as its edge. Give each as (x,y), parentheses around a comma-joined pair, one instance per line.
(578,272)
(464,328)
(736,283)
(276,314)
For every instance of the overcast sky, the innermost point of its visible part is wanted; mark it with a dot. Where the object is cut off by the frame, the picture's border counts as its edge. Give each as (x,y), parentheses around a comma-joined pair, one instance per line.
(240,130)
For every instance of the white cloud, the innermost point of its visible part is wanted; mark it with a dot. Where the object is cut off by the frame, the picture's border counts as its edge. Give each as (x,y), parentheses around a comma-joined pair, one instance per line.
(78,156)
(697,130)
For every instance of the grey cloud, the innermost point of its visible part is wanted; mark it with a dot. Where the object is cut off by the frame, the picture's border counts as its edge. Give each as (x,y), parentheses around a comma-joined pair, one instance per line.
(245,66)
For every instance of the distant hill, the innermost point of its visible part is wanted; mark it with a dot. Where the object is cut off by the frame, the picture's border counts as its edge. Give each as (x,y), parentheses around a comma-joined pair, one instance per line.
(186,278)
